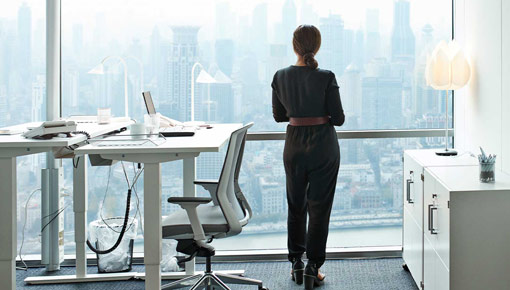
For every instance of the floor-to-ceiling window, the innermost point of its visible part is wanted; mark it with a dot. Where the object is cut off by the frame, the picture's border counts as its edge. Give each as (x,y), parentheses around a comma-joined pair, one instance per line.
(22,100)
(377,50)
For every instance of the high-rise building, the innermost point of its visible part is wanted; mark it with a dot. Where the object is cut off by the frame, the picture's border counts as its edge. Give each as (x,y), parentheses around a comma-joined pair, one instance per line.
(224,55)
(373,38)
(377,93)
(289,24)
(426,99)
(307,14)
(38,97)
(402,37)
(24,38)
(259,31)
(331,55)
(77,39)
(350,91)
(183,54)
(224,19)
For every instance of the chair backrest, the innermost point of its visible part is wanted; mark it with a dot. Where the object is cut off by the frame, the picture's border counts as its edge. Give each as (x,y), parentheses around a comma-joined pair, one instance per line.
(228,193)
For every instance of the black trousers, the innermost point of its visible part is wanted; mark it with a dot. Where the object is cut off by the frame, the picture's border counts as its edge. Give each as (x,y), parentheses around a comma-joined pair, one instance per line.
(311,158)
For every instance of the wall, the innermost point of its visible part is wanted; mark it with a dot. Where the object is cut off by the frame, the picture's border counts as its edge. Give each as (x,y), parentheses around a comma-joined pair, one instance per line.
(482,109)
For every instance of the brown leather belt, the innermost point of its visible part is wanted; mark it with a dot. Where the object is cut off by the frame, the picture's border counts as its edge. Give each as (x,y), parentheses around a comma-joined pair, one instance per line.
(308,121)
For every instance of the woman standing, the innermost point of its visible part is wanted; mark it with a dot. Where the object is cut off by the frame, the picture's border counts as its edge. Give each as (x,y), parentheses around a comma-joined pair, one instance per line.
(308,98)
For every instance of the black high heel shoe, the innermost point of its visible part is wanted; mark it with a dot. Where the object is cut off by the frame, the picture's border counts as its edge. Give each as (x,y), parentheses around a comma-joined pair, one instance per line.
(298,268)
(312,278)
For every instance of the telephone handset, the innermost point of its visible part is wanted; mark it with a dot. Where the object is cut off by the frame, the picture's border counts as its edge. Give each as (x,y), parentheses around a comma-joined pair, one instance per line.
(50,129)
(167,122)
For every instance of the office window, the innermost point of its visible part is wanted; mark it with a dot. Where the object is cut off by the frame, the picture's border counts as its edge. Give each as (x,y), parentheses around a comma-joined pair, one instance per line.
(23,99)
(377,50)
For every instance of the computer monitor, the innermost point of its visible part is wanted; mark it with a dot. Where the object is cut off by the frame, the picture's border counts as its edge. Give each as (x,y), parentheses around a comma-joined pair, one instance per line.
(149,104)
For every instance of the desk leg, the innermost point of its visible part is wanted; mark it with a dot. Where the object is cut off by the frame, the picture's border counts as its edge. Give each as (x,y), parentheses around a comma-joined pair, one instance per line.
(8,236)
(80,192)
(152,222)
(189,176)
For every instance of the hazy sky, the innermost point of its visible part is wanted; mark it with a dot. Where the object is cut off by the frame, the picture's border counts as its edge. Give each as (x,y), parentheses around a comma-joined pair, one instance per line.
(141,15)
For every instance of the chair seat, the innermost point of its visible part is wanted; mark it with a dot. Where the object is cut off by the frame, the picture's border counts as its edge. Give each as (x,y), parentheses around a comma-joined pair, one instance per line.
(177,224)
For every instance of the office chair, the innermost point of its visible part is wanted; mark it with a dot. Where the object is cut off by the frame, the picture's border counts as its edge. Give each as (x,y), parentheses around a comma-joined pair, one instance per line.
(203,219)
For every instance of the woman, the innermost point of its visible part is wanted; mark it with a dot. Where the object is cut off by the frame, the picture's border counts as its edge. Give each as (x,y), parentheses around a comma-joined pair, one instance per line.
(308,98)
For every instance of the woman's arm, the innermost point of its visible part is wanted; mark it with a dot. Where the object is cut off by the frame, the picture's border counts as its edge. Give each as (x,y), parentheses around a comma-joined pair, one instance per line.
(279,111)
(333,103)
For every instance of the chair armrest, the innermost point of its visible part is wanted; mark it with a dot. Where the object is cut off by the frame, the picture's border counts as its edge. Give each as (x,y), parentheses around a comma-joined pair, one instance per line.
(190,204)
(189,200)
(210,186)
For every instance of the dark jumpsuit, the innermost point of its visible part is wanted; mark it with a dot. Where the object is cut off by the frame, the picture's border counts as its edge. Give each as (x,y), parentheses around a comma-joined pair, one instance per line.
(311,155)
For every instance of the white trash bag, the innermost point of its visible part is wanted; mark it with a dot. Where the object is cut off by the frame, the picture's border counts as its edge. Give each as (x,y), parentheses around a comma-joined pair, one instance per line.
(104,234)
(168,259)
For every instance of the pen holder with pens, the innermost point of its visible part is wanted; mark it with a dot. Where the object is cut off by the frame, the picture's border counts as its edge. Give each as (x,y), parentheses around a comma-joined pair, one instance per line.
(487,165)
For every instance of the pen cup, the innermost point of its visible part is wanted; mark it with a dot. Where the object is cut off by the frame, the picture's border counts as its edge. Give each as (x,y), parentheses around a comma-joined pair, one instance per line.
(152,123)
(487,171)
(104,115)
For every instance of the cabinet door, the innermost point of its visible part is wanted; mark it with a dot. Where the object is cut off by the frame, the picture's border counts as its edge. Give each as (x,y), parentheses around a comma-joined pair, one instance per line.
(413,219)
(429,255)
(412,247)
(442,225)
(413,189)
(441,275)
(429,261)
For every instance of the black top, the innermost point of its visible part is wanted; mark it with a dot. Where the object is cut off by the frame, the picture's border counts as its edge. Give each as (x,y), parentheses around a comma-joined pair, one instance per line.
(300,91)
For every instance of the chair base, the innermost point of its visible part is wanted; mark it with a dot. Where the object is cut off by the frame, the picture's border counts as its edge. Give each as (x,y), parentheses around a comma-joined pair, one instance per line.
(212,281)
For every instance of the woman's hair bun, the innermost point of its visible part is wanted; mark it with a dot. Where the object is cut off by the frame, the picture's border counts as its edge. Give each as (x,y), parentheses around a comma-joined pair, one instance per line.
(310,61)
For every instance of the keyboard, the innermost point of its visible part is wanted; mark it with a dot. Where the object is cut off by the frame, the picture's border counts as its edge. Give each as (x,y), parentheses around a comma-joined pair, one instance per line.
(177,131)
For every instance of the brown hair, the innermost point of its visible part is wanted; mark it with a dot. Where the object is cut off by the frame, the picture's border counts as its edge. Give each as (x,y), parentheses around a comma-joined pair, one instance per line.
(306,42)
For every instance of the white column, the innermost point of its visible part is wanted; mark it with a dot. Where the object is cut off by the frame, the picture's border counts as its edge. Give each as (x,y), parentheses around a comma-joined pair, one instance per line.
(51,251)
(80,191)
(189,175)
(152,225)
(8,223)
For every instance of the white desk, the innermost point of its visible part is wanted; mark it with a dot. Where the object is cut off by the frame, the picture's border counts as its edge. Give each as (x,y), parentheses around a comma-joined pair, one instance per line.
(12,146)
(175,148)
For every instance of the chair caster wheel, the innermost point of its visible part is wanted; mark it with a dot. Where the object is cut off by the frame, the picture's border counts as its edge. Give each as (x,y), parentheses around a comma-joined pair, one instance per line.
(405,267)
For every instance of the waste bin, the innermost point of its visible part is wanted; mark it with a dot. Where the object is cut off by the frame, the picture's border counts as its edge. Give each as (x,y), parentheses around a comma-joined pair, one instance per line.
(104,234)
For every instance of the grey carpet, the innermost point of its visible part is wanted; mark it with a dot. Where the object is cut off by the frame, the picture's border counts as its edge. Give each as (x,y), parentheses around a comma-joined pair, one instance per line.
(366,274)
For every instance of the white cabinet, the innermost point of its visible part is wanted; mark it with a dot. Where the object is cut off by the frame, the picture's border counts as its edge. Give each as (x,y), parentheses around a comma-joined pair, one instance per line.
(465,226)
(415,162)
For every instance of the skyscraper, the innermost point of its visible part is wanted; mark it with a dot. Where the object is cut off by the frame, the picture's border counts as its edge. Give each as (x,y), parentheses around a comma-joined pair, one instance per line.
(182,55)
(259,31)
(402,37)
(381,103)
(289,24)
(307,14)
(25,42)
(373,38)
(331,56)
(224,19)
(224,55)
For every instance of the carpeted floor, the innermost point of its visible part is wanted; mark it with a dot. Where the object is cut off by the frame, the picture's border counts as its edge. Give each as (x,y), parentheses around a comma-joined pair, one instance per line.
(366,274)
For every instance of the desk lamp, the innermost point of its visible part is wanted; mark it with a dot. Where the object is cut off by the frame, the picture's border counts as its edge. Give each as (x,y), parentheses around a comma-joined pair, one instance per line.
(99,70)
(447,69)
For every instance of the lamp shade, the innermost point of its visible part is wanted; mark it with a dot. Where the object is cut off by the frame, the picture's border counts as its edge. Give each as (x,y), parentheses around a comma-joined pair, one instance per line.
(205,78)
(98,70)
(447,67)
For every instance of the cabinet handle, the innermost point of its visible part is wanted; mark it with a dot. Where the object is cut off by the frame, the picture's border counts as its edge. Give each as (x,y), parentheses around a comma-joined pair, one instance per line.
(431,219)
(408,198)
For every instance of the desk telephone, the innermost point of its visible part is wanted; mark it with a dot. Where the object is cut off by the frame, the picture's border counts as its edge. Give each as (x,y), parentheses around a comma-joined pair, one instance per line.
(51,129)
